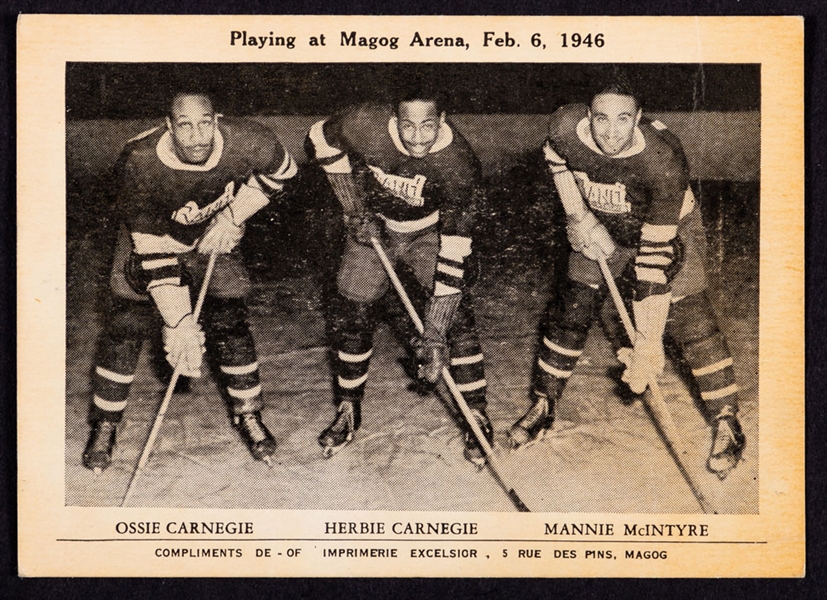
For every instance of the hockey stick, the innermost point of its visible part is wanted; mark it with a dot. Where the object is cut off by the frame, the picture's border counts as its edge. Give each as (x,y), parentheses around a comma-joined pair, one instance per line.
(159,419)
(449,381)
(655,401)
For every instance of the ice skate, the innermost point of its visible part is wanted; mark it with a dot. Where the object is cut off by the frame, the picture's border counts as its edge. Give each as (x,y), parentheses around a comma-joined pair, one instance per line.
(340,432)
(98,453)
(259,439)
(532,427)
(473,452)
(728,442)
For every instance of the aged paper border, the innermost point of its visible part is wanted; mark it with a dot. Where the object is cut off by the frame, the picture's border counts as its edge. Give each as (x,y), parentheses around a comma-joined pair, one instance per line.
(769,544)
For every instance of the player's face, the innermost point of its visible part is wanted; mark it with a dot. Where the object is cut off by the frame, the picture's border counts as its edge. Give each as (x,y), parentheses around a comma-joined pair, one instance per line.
(613,120)
(418,122)
(192,125)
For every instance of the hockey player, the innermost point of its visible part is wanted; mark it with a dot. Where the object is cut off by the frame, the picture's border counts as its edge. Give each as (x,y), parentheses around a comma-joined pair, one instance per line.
(639,209)
(185,191)
(406,177)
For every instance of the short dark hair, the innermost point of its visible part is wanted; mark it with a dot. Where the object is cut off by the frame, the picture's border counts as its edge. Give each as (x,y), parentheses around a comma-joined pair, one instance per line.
(188,91)
(423,93)
(618,82)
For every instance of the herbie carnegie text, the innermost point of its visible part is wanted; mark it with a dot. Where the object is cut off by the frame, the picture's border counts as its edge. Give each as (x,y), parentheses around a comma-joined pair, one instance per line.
(415,528)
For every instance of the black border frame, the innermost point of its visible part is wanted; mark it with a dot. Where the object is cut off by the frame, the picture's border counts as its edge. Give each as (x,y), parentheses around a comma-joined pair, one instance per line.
(815,99)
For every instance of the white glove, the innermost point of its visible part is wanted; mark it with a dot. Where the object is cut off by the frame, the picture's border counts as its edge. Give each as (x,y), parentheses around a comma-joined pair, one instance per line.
(222,235)
(643,363)
(589,236)
(184,345)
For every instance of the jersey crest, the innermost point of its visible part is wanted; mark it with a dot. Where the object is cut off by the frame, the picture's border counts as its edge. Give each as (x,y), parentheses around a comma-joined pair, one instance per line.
(408,189)
(190,214)
(603,197)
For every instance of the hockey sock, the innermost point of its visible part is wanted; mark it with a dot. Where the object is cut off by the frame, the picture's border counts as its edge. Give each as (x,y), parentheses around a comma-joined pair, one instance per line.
(467,364)
(117,357)
(712,369)
(695,328)
(230,340)
(352,349)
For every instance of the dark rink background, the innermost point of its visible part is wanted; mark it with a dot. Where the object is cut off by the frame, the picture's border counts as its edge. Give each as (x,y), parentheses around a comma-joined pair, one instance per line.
(604,454)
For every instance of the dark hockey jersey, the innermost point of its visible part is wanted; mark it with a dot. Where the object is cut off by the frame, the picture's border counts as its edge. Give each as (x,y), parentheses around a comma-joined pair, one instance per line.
(399,186)
(167,204)
(646,184)
(160,195)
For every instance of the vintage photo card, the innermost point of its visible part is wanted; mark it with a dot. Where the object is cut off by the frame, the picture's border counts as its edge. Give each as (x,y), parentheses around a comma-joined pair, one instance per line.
(410,296)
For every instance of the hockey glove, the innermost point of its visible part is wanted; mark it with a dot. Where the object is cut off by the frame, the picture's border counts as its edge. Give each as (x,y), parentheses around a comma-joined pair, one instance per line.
(222,235)
(362,227)
(646,360)
(589,236)
(184,345)
(432,352)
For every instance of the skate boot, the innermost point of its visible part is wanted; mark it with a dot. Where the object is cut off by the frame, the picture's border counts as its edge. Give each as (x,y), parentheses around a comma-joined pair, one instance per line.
(98,453)
(473,452)
(340,432)
(728,442)
(259,439)
(532,427)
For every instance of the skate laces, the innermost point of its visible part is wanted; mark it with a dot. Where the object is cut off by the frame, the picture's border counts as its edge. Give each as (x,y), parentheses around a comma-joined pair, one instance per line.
(727,438)
(253,427)
(106,426)
(103,430)
(345,419)
(537,414)
(483,423)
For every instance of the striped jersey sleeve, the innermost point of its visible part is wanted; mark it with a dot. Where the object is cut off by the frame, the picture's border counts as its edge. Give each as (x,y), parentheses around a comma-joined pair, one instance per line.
(669,187)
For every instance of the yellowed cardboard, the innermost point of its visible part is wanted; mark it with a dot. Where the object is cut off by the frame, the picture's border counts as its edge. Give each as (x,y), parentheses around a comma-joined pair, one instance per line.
(60,540)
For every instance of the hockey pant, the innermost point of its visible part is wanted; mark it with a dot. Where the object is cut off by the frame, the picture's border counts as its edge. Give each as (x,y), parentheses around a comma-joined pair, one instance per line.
(692,325)
(228,339)
(362,281)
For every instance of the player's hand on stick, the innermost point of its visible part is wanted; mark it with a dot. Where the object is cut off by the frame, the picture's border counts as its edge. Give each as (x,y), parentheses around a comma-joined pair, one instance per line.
(363,227)
(589,236)
(184,345)
(431,354)
(643,363)
(222,235)
(646,360)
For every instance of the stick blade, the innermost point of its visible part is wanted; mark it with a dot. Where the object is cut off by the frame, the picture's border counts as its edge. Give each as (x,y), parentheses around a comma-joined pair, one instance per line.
(517,502)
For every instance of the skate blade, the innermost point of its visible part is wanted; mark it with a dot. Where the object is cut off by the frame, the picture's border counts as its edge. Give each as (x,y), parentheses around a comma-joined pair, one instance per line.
(329,451)
(97,471)
(723,466)
(267,460)
(518,447)
(722,473)
(479,463)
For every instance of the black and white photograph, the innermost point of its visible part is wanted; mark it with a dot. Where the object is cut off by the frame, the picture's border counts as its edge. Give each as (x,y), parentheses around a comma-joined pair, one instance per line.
(375,299)
(495,193)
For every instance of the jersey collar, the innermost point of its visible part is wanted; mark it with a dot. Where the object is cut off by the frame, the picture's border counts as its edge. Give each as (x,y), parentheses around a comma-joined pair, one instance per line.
(584,132)
(443,138)
(166,153)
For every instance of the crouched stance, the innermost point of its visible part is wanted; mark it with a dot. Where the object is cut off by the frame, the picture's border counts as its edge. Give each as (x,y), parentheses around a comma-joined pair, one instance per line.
(185,192)
(407,178)
(641,215)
